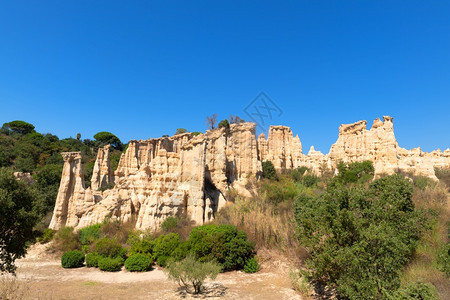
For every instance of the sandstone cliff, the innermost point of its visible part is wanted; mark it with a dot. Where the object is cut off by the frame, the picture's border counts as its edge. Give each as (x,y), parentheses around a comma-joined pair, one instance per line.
(190,175)
(161,177)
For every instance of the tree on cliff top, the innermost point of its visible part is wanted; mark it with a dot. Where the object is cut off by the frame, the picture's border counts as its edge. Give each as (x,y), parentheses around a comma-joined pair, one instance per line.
(180,131)
(17,221)
(211,121)
(105,138)
(236,120)
(18,126)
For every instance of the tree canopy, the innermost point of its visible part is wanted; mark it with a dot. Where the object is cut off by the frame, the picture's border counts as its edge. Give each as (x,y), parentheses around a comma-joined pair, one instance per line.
(106,138)
(17,126)
(358,237)
(224,124)
(180,131)
(18,217)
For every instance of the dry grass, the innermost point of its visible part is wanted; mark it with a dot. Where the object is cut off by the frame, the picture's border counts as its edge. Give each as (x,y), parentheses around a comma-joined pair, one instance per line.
(12,288)
(118,231)
(434,199)
(300,284)
(269,225)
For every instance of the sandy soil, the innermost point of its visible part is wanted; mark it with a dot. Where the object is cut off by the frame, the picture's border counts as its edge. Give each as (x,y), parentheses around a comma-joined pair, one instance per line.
(44,278)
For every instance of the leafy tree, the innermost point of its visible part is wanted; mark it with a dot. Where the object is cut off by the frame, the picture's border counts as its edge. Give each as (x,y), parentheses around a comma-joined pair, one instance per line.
(20,127)
(180,131)
(106,138)
(211,121)
(355,172)
(224,124)
(48,179)
(78,136)
(360,237)
(17,219)
(191,273)
(269,171)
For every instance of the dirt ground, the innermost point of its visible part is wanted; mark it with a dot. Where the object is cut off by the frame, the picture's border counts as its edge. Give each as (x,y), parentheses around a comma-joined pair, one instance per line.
(41,277)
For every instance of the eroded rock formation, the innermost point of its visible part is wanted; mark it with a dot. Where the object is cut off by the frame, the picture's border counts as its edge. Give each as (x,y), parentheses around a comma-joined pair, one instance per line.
(190,175)
(156,178)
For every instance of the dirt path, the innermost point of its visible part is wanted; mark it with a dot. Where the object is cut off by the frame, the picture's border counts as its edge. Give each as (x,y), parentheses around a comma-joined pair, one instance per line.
(44,278)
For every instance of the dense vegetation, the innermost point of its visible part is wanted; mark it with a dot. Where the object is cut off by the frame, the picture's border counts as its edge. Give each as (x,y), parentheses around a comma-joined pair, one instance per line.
(22,149)
(361,238)
(111,245)
(18,215)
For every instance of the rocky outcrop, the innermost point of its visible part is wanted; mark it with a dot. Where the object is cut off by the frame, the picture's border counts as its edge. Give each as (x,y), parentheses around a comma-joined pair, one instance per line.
(73,199)
(156,178)
(190,175)
(102,174)
(25,177)
(281,148)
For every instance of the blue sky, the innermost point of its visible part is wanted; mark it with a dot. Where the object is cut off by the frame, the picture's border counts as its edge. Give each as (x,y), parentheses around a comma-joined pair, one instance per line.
(141,69)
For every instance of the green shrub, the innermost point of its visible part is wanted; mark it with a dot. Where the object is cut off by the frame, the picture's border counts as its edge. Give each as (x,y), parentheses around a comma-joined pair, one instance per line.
(92,259)
(65,239)
(222,243)
(279,191)
(251,265)
(109,264)
(195,133)
(47,236)
(310,180)
(298,173)
(144,246)
(162,260)
(89,234)
(72,259)
(422,182)
(443,259)
(358,237)
(138,263)
(169,224)
(192,273)
(416,290)
(268,170)
(165,244)
(111,248)
(85,248)
(355,172)
(181,251)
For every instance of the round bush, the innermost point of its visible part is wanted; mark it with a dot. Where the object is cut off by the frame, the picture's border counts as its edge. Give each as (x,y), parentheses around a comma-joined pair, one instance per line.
(138,263)
(109,264)
(92,260)
(251,266)
(72,259)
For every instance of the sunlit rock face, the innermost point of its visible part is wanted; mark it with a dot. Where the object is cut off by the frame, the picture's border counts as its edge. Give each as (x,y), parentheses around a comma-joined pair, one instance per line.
(156,178)
(190,175)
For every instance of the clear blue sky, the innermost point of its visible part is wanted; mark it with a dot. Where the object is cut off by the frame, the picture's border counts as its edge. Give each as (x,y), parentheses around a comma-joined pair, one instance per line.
(141,69)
